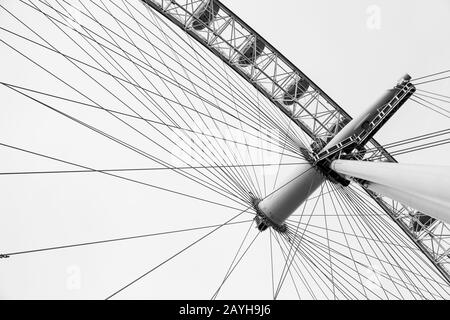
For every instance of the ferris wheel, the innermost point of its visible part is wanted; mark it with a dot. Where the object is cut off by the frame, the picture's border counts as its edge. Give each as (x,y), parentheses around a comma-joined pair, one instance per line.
(188,157)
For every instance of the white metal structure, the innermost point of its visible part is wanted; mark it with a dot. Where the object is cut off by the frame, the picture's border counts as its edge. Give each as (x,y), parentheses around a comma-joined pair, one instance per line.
(422,187)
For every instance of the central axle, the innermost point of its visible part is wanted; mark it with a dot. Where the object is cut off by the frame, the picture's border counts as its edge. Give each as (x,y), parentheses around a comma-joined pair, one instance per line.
(347,143)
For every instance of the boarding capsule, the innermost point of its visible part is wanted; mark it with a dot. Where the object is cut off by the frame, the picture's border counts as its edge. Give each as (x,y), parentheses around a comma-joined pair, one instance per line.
(252,51)
(295,91)
(422,221)
(206,13)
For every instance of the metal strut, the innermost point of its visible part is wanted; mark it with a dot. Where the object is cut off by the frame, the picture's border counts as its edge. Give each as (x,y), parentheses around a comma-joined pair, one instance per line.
(422,187)
(358,132)
(369,125)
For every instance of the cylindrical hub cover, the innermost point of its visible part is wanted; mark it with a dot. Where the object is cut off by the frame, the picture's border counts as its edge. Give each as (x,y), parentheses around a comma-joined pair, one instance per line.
(295,190)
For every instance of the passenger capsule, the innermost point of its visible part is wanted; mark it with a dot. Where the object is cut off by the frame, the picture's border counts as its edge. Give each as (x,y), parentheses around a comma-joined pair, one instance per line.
(251,52)
(295,91)
(422,221)
(205,15)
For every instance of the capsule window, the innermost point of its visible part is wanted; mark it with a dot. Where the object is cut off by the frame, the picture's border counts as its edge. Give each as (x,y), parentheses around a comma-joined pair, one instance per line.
(295,91)
(252,51)
(206,14)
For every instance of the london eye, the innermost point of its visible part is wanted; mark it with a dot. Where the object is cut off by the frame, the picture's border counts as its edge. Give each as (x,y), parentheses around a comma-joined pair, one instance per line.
(167,149)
